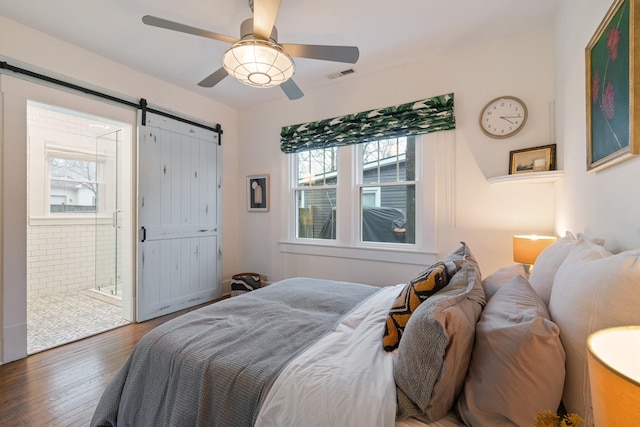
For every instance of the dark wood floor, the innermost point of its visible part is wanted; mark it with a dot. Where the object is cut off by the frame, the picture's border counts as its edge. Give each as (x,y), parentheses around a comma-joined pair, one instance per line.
(62,386)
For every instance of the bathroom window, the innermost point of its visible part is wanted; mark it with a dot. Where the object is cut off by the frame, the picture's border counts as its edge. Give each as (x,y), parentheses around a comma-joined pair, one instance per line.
(73,185)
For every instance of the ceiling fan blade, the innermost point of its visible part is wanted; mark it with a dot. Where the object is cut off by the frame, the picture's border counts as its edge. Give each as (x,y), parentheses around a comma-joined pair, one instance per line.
(264,17)
(292,90)
(348,54)
(214,78)
(154,21)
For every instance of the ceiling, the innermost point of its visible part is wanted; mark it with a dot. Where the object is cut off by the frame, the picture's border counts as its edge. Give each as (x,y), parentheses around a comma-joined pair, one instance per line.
(388,33)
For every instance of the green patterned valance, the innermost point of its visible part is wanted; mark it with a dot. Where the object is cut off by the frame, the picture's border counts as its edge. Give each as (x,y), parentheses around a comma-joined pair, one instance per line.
(413,118)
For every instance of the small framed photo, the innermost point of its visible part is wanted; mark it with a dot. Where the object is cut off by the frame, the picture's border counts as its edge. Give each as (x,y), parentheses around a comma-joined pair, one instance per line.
(535,159)
(258,193)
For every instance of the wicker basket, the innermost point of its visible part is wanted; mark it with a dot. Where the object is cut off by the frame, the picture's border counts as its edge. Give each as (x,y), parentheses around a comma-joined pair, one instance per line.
(243,283)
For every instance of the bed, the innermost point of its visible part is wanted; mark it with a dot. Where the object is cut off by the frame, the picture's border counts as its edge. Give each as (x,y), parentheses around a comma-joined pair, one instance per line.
(446,349)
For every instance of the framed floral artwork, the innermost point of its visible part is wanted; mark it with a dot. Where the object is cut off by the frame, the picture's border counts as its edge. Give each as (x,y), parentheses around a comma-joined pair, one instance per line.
(611,72)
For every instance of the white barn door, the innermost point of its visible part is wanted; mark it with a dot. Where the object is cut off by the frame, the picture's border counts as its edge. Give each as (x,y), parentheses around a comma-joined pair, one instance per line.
(179,217)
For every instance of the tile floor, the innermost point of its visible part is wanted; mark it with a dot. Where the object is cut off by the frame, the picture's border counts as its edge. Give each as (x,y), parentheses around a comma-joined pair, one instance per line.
(54,320)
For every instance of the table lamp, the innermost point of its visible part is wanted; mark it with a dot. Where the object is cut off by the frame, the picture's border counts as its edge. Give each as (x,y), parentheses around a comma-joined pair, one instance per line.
(527,248)
(614,373)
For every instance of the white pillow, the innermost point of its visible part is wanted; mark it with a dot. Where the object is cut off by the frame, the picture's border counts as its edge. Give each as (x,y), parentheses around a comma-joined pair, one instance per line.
(592,290)
(550,259)
(517,364)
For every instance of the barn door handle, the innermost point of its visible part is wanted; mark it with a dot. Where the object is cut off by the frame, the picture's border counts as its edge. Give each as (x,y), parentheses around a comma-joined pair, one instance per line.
(143,234)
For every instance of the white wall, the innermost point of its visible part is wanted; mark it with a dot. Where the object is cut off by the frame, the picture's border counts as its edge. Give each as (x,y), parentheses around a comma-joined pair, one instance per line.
(469,208)
(27,46)
(605,203)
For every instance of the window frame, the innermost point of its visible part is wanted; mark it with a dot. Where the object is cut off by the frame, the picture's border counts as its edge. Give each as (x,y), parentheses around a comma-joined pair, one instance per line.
(99,182)
(360,185)
(294,187)
(348,231)
(40,210)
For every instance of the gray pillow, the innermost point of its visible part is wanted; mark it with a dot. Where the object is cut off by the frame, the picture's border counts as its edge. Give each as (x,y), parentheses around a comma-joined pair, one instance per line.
(458,258)
(496,280)
(517,364)
(434,353)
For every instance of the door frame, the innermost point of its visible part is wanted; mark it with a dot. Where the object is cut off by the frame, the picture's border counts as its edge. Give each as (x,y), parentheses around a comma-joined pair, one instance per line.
(14,94)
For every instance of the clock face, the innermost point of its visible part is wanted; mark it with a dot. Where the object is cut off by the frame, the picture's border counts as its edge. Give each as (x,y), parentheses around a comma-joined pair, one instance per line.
(503,117)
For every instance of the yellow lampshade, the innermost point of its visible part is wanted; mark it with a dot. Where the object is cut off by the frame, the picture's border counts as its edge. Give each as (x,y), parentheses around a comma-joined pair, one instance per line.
(527,248)
(614,373)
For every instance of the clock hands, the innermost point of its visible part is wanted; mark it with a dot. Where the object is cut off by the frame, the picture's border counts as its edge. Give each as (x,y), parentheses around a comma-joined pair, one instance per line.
(510,117)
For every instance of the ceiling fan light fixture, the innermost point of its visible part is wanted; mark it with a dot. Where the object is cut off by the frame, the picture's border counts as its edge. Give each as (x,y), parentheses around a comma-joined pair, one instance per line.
(258,63)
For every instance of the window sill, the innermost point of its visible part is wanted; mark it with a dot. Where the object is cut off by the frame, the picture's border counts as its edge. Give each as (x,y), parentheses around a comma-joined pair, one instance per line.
(366,253)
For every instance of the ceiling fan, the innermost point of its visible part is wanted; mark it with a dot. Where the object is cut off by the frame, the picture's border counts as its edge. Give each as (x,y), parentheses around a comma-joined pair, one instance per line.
(257,59)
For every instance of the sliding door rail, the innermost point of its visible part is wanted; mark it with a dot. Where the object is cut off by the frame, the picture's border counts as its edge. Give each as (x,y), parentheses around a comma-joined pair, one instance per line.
(141,105)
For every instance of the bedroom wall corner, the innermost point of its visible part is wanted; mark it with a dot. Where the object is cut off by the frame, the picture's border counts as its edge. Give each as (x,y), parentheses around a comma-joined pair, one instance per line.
(486,215)
(598,204)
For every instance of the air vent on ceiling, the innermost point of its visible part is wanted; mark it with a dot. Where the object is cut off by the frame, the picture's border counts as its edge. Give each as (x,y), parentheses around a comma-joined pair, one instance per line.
(341,73)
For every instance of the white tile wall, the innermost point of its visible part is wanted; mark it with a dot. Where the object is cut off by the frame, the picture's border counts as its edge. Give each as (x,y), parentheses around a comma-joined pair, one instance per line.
(62,122)
(62,258)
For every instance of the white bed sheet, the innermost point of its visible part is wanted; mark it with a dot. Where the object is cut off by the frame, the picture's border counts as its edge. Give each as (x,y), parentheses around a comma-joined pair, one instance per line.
(345,379)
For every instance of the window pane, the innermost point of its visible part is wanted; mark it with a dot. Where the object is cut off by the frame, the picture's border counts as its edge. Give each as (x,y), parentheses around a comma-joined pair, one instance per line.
(391,218)
(316,214)
(73,186)
(70,196)
(318,167)
(79,170)
(388,160)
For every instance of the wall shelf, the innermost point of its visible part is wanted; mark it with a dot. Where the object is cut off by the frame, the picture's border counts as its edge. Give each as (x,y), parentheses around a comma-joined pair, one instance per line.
(529,178)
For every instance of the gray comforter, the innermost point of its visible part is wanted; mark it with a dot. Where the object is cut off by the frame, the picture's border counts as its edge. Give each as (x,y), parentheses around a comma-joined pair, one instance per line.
(215,365)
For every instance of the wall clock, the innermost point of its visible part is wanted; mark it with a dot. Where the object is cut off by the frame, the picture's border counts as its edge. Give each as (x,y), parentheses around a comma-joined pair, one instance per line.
(503,117)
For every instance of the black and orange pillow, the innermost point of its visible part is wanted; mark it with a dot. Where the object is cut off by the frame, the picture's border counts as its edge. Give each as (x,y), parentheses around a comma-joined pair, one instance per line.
(413,294)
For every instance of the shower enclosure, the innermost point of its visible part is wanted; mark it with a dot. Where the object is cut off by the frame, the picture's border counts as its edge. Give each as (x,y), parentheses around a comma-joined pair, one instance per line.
(108,251)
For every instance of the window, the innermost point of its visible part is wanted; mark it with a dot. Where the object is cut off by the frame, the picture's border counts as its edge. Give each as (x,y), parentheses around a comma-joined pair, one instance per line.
(379,185)
(387,190)
(315,187)
(376,181)
(73,185)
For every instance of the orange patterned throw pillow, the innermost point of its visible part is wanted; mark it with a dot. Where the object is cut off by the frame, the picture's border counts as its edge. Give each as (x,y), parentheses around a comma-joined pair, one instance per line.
(413,294)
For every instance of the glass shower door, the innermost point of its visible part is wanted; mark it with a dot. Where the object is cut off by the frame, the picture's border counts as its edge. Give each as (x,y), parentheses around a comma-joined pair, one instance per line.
(108,238)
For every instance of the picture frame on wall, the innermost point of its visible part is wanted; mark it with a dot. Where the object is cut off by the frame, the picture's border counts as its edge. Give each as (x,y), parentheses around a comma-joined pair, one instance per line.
(534,159)
(610,90)
(258,193)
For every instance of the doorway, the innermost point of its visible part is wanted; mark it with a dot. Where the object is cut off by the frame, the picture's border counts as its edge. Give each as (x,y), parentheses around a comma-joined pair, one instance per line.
(77,214)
